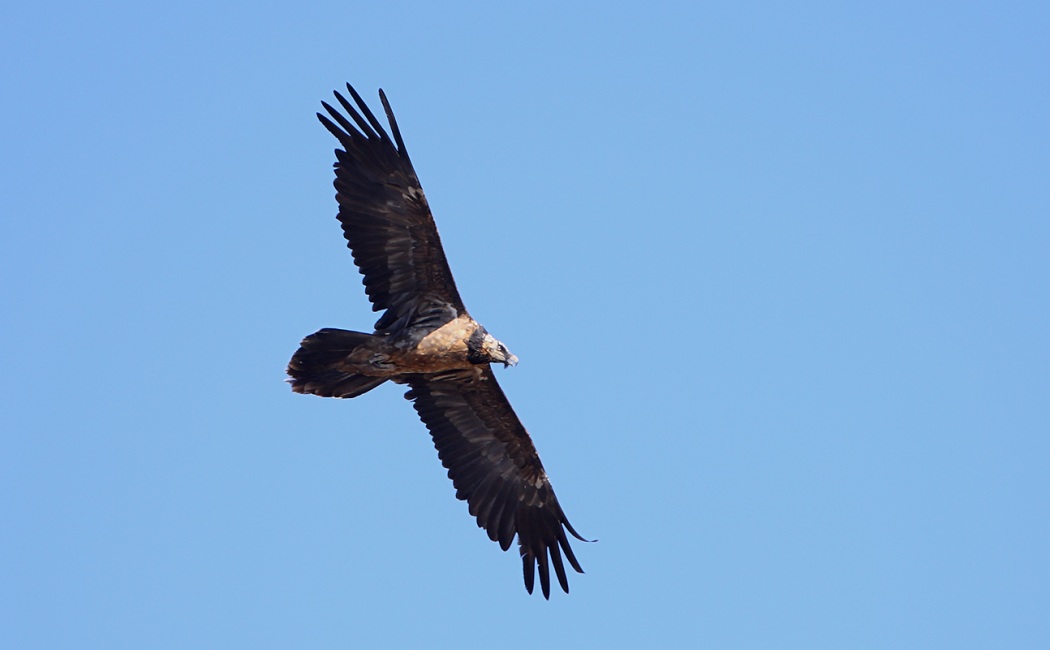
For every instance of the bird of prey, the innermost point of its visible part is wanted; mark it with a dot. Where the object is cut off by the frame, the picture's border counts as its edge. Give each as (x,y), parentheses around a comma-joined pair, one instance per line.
(426,339)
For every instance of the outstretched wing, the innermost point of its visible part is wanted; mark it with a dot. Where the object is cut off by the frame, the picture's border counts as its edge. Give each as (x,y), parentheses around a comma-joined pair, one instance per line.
(386,220)
(495,469)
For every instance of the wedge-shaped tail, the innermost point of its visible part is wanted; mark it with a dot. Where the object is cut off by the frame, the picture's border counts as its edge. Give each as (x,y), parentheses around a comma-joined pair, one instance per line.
(315,367)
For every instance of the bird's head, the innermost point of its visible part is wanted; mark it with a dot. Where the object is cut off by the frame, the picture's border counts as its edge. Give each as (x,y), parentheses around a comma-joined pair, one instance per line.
(484,348)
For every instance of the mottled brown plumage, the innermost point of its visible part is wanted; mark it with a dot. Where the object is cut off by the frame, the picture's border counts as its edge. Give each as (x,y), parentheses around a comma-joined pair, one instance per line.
(425,338)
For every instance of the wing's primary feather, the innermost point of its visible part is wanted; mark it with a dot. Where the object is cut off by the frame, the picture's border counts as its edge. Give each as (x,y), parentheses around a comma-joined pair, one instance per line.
(385,216)
(495,469)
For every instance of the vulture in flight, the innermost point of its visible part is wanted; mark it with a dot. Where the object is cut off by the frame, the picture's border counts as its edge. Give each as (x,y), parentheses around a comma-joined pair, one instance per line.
(425,339)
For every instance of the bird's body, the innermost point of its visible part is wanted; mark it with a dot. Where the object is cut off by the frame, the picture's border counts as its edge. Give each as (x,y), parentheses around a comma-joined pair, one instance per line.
(425,338)
(437,350)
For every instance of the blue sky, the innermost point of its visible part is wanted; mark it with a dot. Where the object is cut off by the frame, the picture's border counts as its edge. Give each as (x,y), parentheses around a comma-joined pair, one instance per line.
(777,276)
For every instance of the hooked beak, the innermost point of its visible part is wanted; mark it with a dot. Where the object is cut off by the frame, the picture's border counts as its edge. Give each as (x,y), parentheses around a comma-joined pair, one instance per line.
(510,361)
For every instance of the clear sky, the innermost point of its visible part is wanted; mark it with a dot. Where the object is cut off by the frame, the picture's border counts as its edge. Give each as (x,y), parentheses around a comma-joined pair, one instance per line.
(778,275)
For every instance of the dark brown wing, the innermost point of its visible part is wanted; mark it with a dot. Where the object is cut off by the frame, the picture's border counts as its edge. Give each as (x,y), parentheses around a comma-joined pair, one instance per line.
(385,216)
(495,469)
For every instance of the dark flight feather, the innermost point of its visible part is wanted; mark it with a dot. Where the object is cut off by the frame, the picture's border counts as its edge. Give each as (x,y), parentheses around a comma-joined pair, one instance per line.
(495,469)
(385,216)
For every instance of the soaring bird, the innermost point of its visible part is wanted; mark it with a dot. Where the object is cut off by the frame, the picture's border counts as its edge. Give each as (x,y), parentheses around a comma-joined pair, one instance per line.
(426,339)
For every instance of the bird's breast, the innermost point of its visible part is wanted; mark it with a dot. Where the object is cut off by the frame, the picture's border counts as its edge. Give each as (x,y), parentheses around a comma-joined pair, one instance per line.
(444,348)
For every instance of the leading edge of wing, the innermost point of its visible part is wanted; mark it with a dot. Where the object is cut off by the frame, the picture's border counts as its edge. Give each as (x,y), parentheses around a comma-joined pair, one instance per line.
(496,470)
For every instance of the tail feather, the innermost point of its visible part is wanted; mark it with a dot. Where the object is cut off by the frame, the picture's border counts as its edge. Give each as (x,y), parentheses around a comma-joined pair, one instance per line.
(314,368)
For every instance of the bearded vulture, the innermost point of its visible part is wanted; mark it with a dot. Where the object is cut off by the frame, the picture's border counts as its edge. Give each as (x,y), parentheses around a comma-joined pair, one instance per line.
(426,339)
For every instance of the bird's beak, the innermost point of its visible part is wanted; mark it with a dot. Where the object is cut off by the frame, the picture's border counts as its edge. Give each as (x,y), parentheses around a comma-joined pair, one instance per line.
(510,361)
